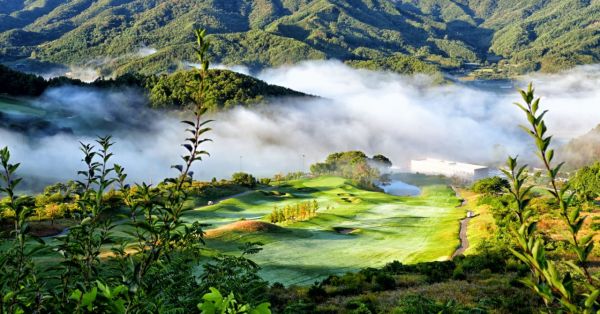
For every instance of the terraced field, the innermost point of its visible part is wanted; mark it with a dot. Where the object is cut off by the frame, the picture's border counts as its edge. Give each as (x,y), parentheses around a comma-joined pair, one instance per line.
(354,228)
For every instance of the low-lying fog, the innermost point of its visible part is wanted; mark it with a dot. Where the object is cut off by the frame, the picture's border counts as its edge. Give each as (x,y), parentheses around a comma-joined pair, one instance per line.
(402,117)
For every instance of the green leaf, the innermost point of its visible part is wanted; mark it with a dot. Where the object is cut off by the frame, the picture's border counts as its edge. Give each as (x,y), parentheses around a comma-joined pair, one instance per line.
(592,297)
(89,298)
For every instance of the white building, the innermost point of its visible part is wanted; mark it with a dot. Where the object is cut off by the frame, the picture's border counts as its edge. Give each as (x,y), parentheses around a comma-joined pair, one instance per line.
(449,168)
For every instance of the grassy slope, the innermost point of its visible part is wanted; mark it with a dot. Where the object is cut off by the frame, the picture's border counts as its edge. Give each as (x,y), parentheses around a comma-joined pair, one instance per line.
(12,105)
(409,229)
(481,226)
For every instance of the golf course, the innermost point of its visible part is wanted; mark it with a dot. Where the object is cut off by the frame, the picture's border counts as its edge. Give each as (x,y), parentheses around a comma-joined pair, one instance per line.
(353,228)
(18,106)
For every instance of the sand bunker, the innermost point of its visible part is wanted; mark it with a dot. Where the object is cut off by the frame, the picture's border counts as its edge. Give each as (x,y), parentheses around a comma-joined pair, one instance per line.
(344,230)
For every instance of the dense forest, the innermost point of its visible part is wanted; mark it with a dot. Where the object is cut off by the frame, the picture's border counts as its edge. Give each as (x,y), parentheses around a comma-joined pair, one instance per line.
(151,36)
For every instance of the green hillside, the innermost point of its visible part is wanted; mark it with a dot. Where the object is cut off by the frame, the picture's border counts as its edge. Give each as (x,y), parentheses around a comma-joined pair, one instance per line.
(513,36)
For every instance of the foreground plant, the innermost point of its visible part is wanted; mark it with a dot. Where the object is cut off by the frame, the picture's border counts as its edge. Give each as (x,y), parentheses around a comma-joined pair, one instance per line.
(161,231)
(19,286)
(82,245)
(215,303)
(575,290)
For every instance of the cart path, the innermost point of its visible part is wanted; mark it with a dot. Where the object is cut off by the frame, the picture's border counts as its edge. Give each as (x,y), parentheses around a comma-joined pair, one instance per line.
(464,223)
(464,241)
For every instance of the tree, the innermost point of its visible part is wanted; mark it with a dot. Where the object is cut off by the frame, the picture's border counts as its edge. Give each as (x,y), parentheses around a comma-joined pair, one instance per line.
(353,165)
(382,161)
(586,182)
(244,179)
(493,186)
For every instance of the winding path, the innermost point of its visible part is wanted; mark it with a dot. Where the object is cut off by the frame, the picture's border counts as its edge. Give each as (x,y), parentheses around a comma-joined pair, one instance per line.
(464,223)
(464,241)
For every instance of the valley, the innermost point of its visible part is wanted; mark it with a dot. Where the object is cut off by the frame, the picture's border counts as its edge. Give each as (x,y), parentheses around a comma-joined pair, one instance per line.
(299,156)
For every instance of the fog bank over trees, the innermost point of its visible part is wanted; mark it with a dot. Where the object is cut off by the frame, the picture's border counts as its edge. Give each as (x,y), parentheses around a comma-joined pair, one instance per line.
(402,117)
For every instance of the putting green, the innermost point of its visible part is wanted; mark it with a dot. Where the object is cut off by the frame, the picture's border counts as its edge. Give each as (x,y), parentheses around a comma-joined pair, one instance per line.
(354,228)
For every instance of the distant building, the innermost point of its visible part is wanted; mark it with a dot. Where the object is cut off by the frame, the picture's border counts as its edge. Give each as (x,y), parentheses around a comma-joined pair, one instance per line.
(449,169)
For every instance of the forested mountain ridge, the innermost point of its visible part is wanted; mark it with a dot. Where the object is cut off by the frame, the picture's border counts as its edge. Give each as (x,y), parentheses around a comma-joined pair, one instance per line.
(515,36)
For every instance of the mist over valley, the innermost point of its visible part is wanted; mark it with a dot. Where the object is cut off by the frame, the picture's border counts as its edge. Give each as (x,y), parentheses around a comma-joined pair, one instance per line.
(299,156)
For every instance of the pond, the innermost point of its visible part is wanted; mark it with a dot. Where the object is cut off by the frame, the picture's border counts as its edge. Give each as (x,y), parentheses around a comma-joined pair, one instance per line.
(399,188)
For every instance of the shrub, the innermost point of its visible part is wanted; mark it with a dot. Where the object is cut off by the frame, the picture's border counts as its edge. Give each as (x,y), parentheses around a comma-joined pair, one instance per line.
(417,304)
(459,273)
(384,281)
(317,293)
(492,186)
(244,179)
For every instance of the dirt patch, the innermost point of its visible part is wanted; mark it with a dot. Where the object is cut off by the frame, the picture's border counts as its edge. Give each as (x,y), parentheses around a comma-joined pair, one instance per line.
(46,229)
(244,226)
(344,230)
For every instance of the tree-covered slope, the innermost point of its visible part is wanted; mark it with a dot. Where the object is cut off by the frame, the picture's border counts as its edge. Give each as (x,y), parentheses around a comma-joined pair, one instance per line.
(225,89)
(582,151)
(527,34)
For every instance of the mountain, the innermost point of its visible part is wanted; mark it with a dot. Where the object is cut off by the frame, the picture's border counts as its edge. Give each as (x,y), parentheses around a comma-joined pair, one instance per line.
(150,36)
(582,151)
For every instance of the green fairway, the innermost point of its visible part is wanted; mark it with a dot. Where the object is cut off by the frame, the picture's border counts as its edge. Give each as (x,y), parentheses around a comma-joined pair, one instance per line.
(12,105)
(354,228)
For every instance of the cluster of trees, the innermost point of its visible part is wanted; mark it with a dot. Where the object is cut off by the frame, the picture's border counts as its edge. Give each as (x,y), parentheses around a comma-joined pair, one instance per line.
(289,176)
(16,83)
(292,213)
(400,63)
(494,186)
(353,165)
(226,89)
(244,179)
(20,84)
(586,182)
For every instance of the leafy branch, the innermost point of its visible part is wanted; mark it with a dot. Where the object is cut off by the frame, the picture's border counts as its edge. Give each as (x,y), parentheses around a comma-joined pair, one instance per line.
(546,280)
